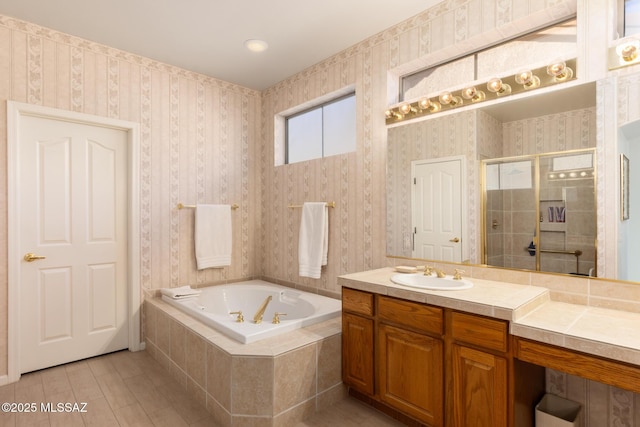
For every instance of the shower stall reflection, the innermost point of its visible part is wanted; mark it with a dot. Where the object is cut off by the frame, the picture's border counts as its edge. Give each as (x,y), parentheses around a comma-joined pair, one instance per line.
(540,212)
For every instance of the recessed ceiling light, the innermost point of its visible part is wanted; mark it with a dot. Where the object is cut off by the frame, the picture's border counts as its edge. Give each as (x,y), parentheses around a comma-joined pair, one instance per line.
(255,45)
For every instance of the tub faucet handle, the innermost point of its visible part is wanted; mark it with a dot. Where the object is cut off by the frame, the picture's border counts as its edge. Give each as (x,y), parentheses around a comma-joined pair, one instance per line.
(257,318)
(276,317)
(240,317)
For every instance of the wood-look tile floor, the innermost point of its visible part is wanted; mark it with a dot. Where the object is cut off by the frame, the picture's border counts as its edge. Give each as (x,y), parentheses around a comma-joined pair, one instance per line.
(132,389)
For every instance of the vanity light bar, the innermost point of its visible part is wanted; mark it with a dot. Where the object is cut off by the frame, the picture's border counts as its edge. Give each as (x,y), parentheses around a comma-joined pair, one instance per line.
(571,174)
(524,81)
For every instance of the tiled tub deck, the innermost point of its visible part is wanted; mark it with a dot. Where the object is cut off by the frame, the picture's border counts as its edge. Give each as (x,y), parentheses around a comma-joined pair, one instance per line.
(274,382)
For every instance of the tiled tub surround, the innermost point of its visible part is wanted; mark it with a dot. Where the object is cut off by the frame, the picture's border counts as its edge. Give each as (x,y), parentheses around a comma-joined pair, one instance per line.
(277,381)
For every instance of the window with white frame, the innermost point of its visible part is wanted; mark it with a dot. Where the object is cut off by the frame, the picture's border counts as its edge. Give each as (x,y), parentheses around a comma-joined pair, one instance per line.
(324,130)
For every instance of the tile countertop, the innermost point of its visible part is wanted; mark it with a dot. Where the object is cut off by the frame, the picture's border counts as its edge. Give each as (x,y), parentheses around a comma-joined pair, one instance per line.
(612,334)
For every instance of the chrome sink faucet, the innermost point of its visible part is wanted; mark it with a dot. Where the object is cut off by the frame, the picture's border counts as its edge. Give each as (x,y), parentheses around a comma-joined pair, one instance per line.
(257,318)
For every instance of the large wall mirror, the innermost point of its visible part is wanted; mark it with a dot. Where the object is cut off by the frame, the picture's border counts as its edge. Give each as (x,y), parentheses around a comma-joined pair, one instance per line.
(549,130)
(436,168)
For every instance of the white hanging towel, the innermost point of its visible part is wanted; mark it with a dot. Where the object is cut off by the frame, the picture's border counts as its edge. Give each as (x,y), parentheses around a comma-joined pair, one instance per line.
(313,242)
(213,236)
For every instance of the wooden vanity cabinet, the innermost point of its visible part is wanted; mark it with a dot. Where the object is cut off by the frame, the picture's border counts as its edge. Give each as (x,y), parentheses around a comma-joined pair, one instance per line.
(358,340)
(410,354)
(479,371)
(428,365)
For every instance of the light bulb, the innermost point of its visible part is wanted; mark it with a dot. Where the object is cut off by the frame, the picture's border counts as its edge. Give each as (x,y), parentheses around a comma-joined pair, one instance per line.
(496,86)
(527,79)
(628,51)
(405,108)
(447,98)
(473,94)
(559,71)
(427,104)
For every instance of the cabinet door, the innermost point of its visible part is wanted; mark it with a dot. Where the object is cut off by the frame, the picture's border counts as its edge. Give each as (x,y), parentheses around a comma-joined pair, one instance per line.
(411,373)
(479,388)
(357,352)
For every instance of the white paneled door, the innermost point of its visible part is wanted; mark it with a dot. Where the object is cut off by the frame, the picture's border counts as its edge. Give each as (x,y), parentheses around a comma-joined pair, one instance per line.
(437,209)
(72,196)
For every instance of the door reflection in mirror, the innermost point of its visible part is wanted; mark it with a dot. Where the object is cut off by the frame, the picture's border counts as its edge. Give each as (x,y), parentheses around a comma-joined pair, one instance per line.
(437,207)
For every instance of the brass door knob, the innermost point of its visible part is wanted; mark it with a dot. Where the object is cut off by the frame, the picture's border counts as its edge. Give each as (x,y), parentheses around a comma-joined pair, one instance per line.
(455,240)
(30,257)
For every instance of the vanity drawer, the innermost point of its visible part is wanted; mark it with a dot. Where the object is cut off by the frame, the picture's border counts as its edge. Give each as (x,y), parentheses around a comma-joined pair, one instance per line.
(481,331)
(357,301)
(411,314)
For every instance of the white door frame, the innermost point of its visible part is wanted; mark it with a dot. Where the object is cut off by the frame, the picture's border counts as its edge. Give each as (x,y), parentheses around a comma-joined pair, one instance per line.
(16,110)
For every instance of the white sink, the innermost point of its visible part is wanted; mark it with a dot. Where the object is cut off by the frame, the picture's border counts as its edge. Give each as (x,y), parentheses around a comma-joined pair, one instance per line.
(419,280)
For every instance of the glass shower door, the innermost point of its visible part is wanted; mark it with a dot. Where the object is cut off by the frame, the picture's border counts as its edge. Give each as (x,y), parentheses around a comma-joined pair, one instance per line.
(510,213)
(539,212)
(567,213)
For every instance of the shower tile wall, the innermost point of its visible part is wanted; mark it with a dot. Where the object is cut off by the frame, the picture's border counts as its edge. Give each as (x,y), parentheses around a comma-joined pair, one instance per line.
(577,232)
(489,146)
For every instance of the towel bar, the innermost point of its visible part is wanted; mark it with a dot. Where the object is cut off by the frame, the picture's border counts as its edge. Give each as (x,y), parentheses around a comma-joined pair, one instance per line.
(329,205)
(182,206)
(577,252)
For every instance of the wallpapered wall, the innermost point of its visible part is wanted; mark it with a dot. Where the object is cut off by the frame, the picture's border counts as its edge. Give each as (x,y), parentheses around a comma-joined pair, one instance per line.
(198,136)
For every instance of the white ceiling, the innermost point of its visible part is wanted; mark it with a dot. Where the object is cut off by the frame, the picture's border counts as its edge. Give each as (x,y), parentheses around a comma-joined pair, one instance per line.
(207,36)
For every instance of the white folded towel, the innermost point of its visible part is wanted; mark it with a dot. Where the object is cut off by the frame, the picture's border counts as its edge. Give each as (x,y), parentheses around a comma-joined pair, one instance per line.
(181,292)
(213,236)
(313,243)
